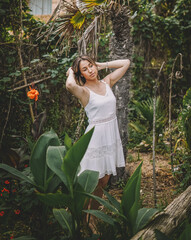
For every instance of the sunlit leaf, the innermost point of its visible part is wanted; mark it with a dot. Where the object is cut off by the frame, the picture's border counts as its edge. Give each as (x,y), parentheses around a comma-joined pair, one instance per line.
(144,216)
(92,3)
(77,20)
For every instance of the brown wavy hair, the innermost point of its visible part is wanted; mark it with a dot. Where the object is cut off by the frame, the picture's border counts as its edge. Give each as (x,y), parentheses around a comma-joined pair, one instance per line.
(76,68)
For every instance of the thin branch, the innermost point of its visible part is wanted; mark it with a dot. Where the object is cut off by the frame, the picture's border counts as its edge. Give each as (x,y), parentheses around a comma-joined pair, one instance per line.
(29,84)
(34,76)
(28,44)
(170,104)
(6,120)
(154,128)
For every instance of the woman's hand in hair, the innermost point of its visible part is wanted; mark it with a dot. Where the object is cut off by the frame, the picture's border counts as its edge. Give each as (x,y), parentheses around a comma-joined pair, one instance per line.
(70,71)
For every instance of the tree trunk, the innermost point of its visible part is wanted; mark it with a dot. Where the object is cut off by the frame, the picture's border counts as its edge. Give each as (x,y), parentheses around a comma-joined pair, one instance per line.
(121,48)
(169,220)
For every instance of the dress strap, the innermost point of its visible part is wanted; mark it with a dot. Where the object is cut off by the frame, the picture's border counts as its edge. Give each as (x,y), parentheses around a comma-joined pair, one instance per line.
(88,89)
(103,81)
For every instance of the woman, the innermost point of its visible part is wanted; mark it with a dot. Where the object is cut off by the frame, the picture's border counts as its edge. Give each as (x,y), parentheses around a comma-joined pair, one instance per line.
(105,151)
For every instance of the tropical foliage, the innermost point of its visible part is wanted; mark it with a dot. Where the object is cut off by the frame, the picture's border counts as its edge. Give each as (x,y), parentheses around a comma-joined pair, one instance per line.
(160,30)
(129,218)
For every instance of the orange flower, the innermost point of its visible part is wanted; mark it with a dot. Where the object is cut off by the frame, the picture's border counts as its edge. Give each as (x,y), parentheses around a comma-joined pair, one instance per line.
(33,94)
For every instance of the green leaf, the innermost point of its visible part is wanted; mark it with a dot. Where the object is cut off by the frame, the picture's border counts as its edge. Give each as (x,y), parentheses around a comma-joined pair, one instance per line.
(160,236)
(78,200)
(35,60)
(38,165)
(64,218)
(53,184)
(88,180)
(92,3)
(5,79)
(131,196)
(101,201)
(17,73)
(143,217)
(55,155)
(186,234)
(67,141)
(74,156)
(25,69)
(112,200)
(55,199)
(101,215)
(16,173)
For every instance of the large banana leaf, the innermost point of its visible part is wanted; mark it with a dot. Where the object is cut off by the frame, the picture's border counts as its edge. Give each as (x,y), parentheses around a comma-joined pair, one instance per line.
(64,218)
(55,156)
(16,173)
(74,156)
(67,141)
(53,183)
(143,217)
(131,196)
(55,199)
(88,180)
(38,165)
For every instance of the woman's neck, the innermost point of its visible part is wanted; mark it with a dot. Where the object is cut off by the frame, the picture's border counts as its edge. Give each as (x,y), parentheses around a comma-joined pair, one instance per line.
(92,82)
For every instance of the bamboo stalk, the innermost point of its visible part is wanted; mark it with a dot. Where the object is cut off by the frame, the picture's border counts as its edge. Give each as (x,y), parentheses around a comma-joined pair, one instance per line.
(170,106)
(154,133)
(34,76)
(29,84)
(19,47)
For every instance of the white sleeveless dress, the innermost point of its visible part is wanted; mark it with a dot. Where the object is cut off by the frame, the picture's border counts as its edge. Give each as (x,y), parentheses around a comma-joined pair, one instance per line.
(104,152)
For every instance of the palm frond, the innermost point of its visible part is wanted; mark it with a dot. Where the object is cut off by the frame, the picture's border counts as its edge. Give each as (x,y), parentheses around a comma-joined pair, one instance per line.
(70,17)
(65,20)
(138,127)
(90,34)
(145,109)
(78,20)
(93,3)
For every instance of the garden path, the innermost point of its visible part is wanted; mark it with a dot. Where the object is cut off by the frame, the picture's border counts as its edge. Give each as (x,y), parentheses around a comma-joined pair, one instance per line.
(166,184)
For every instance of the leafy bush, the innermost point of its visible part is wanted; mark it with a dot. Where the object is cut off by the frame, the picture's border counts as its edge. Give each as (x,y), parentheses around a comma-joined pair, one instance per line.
(54,169)
(144,126)
(127,217)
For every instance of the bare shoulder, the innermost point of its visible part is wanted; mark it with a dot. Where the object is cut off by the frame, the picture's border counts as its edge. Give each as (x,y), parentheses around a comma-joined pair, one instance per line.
(83,95)
(107,80)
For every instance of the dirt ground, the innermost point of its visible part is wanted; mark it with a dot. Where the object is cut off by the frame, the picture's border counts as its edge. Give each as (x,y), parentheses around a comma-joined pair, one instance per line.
(165,183)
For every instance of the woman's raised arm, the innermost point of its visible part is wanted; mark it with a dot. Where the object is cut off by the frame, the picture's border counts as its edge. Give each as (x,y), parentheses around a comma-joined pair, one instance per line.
(122,65)
(78,91)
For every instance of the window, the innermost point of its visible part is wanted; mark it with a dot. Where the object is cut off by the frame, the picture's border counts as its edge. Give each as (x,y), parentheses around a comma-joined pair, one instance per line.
(40,7)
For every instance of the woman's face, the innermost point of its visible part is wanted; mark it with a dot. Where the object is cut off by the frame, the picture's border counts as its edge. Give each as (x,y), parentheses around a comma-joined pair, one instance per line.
(88,70)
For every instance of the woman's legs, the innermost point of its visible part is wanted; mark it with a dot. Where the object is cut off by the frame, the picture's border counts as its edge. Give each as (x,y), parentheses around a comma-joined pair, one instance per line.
(99,191)
(93,204)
